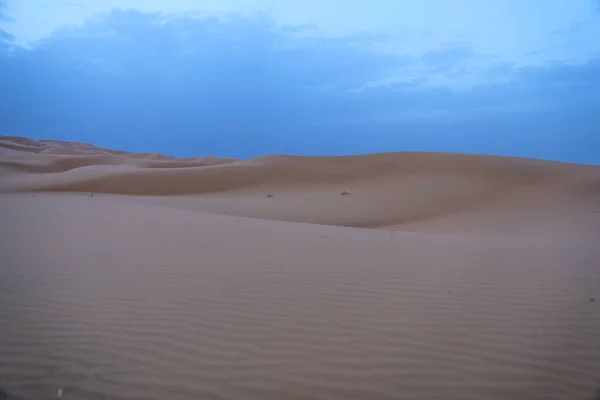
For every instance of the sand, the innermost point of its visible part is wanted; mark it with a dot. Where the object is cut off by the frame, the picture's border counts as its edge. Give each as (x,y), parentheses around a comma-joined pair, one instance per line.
(438,276)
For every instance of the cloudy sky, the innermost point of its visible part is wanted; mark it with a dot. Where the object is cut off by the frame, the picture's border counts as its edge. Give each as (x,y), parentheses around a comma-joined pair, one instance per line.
(248,77)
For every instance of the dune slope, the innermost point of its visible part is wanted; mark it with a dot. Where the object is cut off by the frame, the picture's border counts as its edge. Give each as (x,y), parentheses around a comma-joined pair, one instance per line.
(113,299)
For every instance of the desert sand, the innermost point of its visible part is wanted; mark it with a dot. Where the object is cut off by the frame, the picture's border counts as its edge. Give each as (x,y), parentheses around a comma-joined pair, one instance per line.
(384,276)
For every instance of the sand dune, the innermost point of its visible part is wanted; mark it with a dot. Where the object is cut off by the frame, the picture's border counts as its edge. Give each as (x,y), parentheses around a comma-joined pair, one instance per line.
(478,282)
(386,190)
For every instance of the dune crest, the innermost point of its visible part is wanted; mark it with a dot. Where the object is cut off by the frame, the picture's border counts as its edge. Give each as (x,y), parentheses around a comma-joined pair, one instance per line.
(431,191)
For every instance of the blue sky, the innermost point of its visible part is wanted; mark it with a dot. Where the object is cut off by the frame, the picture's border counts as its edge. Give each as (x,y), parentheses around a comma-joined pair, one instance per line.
(249,77)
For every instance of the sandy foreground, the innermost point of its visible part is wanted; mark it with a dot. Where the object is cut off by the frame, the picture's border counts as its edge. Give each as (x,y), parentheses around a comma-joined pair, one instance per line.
(437,276)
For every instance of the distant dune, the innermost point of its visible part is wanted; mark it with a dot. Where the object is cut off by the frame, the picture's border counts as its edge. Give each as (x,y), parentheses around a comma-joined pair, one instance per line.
(144,276)
(386,190)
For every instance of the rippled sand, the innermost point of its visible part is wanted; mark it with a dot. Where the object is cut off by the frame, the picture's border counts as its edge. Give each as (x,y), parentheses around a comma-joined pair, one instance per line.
(476,283)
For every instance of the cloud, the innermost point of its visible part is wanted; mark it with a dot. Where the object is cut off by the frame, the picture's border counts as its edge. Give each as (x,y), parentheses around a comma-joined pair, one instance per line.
(448,57)
(6,39)
(6,36)
(244,86)
(3,16)
(128,42)
(510,90)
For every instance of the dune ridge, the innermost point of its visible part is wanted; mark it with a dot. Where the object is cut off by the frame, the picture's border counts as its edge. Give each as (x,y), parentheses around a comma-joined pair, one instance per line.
(387,190)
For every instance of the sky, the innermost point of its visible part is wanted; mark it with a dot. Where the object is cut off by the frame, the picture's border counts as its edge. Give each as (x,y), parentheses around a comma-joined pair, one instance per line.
(243,78)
